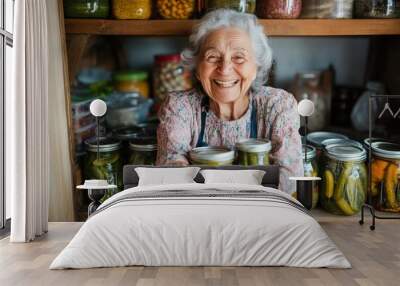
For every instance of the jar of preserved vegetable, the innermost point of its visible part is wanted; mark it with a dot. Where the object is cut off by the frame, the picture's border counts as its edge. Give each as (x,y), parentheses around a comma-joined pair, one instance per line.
(348,142)
(176,9)
(125,135)
(86,9)
(385,176)
(132,81)
(169,75)
(128,9)
(253,152)
(319,9)
(143,151)
(246,6)
(316,139)
(107,164)
(344,186)
(376,9)
(279,9)
(211,156)
(311,170)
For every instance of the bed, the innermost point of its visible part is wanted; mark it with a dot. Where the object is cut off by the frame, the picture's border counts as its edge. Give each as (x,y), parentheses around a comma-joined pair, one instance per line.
(199,224)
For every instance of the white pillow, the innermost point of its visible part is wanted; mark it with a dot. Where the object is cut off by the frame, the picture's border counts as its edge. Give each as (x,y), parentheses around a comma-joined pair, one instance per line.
(165,176)
(248,177)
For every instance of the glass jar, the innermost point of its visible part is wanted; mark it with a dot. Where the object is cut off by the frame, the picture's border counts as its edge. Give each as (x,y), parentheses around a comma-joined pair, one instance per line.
(308,86)
(86,9)
(314,9)
(143,151)
(132,9)
(385,176)
(132,81)
(344,185)
(169,75)
(311,170)
(176,9)
(108,165)
(376,9)
(348,142)
(246,6)
(125,135)
(279,9)
(211,156)
(252,152)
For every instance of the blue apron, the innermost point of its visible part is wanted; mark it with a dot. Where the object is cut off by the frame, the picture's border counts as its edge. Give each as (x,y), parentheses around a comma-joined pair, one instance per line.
(205,107)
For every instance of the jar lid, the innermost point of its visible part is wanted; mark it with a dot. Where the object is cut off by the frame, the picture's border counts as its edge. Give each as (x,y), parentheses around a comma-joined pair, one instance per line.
(332,141)
(386,150)
(367,141)
(311,152)
(167,58)
(316,138)
(130,76)
(254,145)
(106,144)
(346,152)
(218,154)
(143,144)
(127,133)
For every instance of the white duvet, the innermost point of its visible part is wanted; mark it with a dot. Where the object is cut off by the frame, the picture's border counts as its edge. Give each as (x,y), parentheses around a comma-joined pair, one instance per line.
(183,231)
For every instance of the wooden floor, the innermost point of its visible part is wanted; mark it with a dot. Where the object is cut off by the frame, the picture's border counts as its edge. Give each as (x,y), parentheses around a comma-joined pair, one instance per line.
(374,255)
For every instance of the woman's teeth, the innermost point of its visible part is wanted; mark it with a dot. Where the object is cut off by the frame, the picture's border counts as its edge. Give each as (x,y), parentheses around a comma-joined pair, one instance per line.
(229,83)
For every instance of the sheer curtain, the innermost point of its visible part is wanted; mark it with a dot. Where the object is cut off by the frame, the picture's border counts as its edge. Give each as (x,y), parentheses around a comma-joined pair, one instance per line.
(28,146)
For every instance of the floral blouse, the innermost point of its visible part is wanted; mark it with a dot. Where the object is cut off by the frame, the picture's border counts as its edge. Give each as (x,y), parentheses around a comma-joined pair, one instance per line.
(277,120)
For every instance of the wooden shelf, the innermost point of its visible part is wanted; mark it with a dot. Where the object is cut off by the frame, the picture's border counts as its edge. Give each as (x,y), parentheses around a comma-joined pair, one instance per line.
(297,27)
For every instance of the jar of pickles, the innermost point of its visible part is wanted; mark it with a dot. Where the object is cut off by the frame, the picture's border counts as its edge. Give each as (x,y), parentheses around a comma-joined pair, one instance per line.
(143,151)
(251,152)
(385,176)
(311,170)
(333,9)
(128,9)
(279,9)
(211,156)
(246,6)
(106,164)
(376,9)
(170,75)
(344,185)
(86,9)
(125,135)
(132,81)
(176,9)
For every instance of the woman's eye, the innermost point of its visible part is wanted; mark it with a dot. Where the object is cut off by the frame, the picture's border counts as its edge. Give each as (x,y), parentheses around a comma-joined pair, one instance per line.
(212,59)
(238,60)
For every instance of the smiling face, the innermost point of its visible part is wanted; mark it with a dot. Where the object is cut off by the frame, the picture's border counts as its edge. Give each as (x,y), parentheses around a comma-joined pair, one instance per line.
(227,65)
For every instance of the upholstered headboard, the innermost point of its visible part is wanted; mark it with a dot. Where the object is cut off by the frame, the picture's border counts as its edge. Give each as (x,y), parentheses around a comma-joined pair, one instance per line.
(271,177)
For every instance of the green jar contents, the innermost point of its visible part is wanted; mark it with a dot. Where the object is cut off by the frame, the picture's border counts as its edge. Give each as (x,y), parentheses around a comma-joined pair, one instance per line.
(344,186)
(125,135)
(252,152)
(108,164)
(143,151)
(385,176)
(86,8)
(247,6)
(311,170)
(132,81)
(211,156)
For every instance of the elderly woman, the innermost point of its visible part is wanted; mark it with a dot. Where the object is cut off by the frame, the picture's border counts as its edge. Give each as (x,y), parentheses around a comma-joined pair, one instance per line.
(230,57)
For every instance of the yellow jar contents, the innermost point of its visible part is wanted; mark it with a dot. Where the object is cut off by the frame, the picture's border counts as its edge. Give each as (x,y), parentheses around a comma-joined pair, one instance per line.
(132,9)
(385,175)
(132,81)
(175,9)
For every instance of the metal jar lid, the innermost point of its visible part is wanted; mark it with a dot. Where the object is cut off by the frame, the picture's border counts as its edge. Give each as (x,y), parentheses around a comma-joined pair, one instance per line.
(316,138)
(218,154)
(143,144)
(386,150)
(253,145)
(345,152)
(128,133)
(106,144)
(311,152)
(336,141)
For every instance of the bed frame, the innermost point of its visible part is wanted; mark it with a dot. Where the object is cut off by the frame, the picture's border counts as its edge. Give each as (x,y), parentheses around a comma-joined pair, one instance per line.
(270,179)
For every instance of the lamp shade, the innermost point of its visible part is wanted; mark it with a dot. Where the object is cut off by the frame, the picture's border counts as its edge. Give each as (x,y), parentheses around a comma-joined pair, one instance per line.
(305,107)
(98,107)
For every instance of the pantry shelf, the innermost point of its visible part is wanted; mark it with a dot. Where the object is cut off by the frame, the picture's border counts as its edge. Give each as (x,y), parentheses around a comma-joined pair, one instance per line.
(297,27)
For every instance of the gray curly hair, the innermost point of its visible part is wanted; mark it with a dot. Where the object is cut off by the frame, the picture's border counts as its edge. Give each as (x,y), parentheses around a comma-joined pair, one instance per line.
(229,18)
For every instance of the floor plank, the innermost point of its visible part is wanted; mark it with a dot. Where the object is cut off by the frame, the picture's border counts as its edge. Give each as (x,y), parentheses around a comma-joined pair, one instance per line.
(375,257)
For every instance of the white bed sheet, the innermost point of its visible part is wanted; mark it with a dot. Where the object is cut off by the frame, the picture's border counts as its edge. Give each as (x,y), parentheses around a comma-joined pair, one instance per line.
(200,232)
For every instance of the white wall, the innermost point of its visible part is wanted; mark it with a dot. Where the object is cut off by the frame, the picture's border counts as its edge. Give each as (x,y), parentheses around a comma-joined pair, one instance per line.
(348,55)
